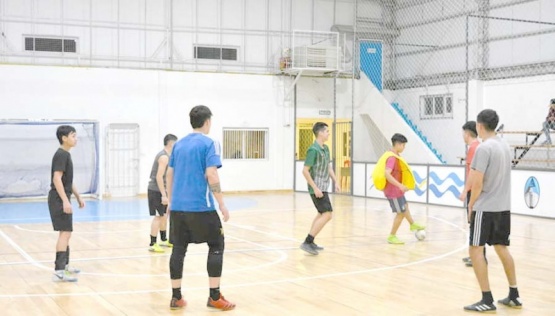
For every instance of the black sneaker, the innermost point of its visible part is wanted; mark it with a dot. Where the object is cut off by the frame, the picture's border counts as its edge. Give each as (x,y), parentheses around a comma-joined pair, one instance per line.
(465,260)
(516,303)
(308,248)
(481,307)
(318,248)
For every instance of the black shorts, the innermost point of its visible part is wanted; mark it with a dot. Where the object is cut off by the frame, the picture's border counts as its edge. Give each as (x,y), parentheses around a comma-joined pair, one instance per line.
(492,228)
(195,227)
(155,203)
(398,205)
(60,220)
(322,204)
(468,194)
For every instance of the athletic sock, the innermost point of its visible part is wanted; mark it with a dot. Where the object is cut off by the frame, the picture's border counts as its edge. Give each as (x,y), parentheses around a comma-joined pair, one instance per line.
(487,298)
(176,293)
(215,293)
(513,293)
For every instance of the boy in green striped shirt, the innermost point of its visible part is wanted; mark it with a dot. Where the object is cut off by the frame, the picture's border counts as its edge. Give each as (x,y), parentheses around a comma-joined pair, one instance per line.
(317,172)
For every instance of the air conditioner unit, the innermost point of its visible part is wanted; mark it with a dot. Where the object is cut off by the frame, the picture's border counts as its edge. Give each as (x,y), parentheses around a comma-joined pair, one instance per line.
(316,57)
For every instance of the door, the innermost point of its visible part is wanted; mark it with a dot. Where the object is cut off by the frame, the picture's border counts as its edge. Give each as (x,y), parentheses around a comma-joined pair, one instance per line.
(371,62)
(342,155)
(122,159)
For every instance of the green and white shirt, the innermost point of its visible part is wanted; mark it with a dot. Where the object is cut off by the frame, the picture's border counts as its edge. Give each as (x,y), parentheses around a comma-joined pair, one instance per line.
(318,159)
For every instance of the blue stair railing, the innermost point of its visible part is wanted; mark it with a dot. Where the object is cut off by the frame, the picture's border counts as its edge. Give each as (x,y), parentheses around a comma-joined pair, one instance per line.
(418,132)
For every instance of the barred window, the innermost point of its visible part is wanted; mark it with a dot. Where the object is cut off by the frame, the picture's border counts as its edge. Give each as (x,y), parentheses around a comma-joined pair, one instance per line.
(439,106)
(242,143)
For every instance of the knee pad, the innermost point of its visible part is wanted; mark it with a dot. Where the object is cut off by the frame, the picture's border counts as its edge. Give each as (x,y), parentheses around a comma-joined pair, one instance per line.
(176,262)
(215,259)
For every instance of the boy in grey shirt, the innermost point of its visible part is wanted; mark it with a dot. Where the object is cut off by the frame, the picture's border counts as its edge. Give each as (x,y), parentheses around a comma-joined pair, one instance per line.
(490,203)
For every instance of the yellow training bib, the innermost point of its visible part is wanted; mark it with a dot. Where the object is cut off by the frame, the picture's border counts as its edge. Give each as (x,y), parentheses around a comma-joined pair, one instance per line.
(378,175)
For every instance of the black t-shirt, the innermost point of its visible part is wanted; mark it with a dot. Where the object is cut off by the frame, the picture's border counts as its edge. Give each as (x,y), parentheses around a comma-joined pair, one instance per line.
(62,162)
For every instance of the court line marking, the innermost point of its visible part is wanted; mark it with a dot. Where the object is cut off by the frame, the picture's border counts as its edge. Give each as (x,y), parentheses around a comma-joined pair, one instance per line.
(288,280)
(283,256)
(147,256)
(47,219)
(132,217)
(79,232)
(31,260)
(270,282)
(21,251)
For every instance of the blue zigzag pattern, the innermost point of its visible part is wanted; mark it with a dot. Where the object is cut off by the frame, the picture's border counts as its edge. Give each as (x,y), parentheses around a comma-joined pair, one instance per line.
(453,189)
(419,181)
(436,181)
(453,176)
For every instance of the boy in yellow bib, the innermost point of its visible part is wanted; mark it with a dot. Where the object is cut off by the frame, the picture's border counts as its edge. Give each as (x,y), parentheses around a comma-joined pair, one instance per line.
(392,174)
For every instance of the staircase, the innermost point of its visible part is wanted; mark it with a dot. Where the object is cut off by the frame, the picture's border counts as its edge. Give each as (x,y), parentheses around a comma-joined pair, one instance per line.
(382,120)
(418,132)
(530,154)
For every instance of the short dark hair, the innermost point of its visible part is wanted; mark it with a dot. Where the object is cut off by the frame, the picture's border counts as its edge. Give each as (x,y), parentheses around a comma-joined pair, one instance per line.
(318,126)
(489,119)
(552,101)
(470,126)
(64,130)
(168,138)
(198,115)
(398,138)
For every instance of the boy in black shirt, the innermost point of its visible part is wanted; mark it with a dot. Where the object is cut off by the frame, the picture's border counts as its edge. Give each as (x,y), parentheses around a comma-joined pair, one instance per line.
(59,203)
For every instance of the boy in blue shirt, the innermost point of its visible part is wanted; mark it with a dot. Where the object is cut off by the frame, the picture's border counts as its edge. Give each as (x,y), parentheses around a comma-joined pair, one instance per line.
(192,181)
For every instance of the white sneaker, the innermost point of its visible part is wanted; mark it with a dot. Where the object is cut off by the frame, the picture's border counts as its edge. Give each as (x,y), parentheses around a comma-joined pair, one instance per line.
(72,270)
(63,276)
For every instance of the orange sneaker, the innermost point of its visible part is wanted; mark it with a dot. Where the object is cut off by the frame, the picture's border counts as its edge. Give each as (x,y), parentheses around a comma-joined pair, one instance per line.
(177,304)
(222,304)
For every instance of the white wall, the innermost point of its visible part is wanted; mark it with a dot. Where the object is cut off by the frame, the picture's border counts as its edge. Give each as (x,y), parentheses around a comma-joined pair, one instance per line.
(522,104)
(159,102)
(527,49)
(259,29)
(501,52)
(370,103)
(445,134)
(315,94)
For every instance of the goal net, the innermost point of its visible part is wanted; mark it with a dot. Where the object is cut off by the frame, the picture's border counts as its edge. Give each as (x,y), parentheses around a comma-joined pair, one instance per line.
(27,149)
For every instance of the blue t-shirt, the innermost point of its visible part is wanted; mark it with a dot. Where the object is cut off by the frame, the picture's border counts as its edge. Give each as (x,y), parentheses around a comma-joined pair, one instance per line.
(189,159)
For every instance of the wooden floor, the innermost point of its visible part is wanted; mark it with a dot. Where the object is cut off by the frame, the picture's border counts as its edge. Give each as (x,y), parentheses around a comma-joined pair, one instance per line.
(265,273)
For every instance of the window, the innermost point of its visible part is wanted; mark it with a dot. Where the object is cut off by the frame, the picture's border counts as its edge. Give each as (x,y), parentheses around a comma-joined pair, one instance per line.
(449,105)
(43,44)
(209,52)
(428,106)
(245,143)
(438,106)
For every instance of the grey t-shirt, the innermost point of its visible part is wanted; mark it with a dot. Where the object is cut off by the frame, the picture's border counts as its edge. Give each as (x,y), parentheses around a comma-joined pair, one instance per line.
(152,184)
(493,159)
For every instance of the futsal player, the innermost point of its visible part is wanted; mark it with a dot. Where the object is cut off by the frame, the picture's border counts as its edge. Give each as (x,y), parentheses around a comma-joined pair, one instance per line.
(157,195)
(395,170)
(490,202)
(193,181)
(317,172)
(59,202)
(470,137)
